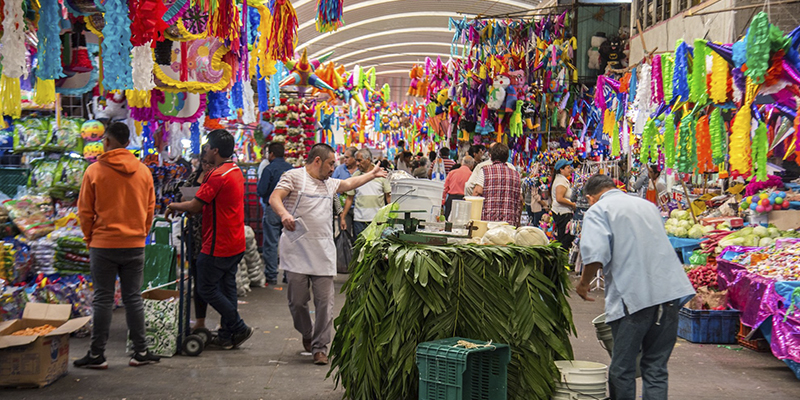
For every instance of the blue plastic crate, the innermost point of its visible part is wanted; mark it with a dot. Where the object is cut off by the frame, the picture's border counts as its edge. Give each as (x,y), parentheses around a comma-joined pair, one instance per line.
(708,326)
(447,372)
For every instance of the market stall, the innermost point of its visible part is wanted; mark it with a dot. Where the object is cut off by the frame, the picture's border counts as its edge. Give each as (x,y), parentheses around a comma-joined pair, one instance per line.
(762,284)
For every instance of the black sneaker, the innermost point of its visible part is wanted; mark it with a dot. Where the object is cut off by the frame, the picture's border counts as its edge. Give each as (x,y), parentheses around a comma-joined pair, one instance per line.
(140,359)
(97,362)
(225,344)
(239,338)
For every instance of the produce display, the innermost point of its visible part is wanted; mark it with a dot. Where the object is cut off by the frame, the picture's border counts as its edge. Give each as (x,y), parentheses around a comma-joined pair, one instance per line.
(780,261)
(680,224)
(758,236)
(705,275)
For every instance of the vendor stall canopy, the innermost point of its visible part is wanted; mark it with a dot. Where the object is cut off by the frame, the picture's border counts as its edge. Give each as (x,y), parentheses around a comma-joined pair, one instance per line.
(393,35)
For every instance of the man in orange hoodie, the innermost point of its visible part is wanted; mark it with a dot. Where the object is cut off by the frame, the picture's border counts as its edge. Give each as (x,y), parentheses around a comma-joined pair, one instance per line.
(115,208)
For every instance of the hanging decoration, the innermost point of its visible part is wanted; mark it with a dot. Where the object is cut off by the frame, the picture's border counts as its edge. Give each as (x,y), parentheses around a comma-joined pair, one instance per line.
(117,47)
(143,65)
(687,150)
(329,15)
(667,77)
(758,47)
(669,141)
(718,89)
(718,136)
(12,50)
(225,23)
(147,25)
(49,54)
(705,161)
(283,31)
(760,152)
(698,84)
(680,72)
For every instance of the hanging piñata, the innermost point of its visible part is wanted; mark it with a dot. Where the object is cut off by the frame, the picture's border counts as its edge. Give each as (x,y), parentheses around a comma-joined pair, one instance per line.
(758,48)
(760,152)
(669,141)
(12,50)
(719,140)
(329,15)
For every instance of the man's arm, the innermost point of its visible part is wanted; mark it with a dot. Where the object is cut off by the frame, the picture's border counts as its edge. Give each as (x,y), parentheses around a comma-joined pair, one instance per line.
(589,272)
(276,203)
(192,206)
(151,202)
(357,181)
(343,218)
(86,212)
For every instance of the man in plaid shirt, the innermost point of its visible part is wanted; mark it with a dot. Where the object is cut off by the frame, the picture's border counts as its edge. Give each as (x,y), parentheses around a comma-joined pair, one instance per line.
(501,189)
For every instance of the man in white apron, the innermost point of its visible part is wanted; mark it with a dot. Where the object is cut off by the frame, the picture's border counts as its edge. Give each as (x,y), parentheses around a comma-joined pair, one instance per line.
(303,200)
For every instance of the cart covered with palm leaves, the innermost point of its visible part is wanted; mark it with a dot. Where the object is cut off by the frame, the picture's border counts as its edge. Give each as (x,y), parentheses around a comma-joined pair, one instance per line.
(401,294)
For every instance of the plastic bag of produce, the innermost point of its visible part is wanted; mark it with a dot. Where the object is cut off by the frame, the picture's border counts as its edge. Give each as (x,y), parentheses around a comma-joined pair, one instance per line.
(698,258)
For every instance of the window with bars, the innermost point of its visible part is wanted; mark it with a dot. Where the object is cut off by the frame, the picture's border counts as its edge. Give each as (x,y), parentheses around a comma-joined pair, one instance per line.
(651,12)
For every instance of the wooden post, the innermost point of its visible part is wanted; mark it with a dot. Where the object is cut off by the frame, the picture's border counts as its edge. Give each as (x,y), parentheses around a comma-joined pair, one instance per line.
(689,201)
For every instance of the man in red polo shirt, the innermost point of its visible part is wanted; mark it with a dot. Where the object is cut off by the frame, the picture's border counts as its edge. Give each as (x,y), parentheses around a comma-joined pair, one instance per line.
(221,199)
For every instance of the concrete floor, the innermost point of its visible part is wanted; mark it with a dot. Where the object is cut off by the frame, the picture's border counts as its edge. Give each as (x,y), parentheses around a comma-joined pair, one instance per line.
(270,366)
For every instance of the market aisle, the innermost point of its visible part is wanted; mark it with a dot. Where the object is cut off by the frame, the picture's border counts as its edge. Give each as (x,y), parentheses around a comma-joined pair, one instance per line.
(268,366)
(697,371)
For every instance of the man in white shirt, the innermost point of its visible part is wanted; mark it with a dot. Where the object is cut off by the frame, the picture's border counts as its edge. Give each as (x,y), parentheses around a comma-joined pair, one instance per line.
(477,174)
(369,198)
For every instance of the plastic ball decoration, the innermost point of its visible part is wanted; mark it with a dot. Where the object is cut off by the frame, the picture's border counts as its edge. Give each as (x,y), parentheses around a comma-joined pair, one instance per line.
(765,202)
(92,150)
(92,131)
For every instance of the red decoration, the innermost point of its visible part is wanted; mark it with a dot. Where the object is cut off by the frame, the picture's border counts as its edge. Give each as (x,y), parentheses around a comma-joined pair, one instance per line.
(146,22)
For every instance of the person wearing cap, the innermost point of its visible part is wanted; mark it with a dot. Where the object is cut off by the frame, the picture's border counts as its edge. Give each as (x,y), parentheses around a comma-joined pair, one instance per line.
(562,207)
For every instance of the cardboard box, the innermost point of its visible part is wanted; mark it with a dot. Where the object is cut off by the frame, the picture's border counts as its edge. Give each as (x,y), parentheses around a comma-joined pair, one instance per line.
(37,360)
(785,219)
(735,222)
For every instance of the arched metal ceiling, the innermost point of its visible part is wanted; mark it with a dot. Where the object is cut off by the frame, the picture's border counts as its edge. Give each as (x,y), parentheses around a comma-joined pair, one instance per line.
(392,35)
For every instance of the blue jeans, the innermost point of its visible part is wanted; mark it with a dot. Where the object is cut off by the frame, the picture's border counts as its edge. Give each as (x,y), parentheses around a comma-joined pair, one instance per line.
(654,330)
(216,282)
(272,234)
(359,227)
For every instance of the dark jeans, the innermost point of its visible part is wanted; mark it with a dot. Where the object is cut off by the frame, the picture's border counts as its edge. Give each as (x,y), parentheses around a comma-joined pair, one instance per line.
(448,204)
(200,305)
(654,330)
(535,217)
(216,280)
(562,236)
(359,227)
(272,234)
(105,265)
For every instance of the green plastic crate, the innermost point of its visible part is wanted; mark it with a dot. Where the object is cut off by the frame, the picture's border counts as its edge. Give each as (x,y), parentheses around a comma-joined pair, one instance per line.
(12,178)
(457,373)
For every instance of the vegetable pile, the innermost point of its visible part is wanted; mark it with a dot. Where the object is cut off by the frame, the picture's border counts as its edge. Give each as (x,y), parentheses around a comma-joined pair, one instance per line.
(705,275)
(680,225)
(522,236)
(758,236)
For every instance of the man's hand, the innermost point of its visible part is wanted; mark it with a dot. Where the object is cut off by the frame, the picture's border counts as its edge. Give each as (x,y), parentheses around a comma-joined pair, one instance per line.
(379,172)
(583,291)
(288,222)
(342,224)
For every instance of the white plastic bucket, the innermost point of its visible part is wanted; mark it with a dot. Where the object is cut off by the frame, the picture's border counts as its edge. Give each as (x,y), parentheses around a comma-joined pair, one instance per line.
(580,380)
(477,206)
(419,194)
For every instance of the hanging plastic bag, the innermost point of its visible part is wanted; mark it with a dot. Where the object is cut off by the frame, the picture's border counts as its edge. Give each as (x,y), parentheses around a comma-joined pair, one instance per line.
(438,172)
(344,251)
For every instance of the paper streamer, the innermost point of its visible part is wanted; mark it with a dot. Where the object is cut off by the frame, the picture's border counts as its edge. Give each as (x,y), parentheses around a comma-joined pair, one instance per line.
(760,152)
(49,43)
(143,64)
(680,72)
(12,43)
(719,79)
(718,137)
(667,79)
(117,47)
(698,85)
(669,141)
(758,48)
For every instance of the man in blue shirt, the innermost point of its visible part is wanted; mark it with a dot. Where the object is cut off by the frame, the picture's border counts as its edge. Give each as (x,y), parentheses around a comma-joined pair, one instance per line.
(345,170)
(645,285)
(271,221)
